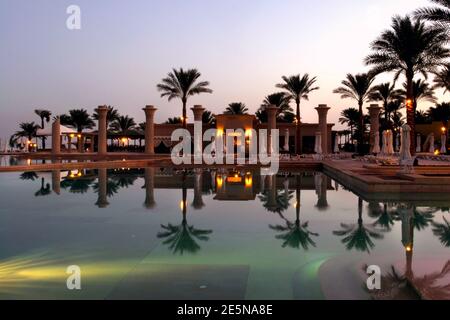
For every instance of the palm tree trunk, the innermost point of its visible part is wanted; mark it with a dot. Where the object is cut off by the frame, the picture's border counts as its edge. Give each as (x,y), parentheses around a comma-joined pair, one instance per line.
(184,120)
(298,143)
(410,116)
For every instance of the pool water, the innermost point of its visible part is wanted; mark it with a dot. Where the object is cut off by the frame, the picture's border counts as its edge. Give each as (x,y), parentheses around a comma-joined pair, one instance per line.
(161,233)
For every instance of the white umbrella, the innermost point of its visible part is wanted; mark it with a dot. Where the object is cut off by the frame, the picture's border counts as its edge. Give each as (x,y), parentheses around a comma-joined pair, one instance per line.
(419,143)
(385,143)
(318,145)
(431,140)
(286,140)
(405,150)
(390,146)
(443,144)
(376,143)
(336,144)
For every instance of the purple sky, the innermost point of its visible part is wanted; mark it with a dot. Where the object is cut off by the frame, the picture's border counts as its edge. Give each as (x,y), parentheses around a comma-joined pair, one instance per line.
(125,47)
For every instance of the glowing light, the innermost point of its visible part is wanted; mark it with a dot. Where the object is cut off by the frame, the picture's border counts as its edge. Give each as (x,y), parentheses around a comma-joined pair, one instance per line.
(437,152)
(296,205)
(409,103)
(219,181)
(79,136)
(72,135)
(124,140)
(248,181)
(443,129)
(182,205)
(28,161)
(408,248)
(220,132)
(248,133)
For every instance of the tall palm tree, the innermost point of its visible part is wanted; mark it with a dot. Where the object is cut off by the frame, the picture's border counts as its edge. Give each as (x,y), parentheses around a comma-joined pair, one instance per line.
(442,79)
(350,117)
(298,87)
(410,47)
(27,130)
(80,120)
(236,108)
(385,93)
(123,125)
(357,87)
(44,115)
(422,91)
(358,236)
(439,15)
(111,115)
(182,84)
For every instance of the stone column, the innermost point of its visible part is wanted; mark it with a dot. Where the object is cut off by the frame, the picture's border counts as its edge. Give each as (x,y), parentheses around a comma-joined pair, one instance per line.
(271,125)
(198,136)
(198,112)
(102,200)
(286,140)
(69,143)
(56,137)
(321,183)
(149,177)
(374,113)
(102,130)
(149,130)
(322,111)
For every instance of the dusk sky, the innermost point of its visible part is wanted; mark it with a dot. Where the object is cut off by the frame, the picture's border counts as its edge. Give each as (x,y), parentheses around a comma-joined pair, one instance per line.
(124,48)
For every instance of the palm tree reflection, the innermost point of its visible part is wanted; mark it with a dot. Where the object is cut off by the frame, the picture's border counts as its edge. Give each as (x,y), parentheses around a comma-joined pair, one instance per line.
(273,200)
(183,238)
(45,189)
(359,236)
(28,175)
(442,231)
(384,216)
(295,234)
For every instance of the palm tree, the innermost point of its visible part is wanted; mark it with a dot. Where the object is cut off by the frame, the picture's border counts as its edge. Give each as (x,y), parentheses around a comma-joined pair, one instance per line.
(80,120)
(385,93)
(123,125)
(208,118)
(28,175)
(182,84)
(439,15)
(111,115)
(442,230)
(45,117)
(175,120)
(442,79)
(350,117)
(27,130)
(385,218)
(358,236)
(281,101)
(441,112)
(422,91)
(183,237)
(77,185)
(236,108)
(357,87)
(298,87)
(422,117)
(410,47)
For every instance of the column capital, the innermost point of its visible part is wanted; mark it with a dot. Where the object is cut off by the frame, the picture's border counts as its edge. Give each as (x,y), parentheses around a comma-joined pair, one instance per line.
(374,108)
(322,108)
(198,111)
(271,109)
(102,109)
(150,109)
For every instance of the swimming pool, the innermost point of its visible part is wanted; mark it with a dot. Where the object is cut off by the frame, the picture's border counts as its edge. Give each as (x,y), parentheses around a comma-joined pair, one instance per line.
(163,233)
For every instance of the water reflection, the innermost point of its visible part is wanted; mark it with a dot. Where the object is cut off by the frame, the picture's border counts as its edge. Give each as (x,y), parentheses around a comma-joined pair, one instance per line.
(442,231)
(183,238)
(359,235)
(295,234)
